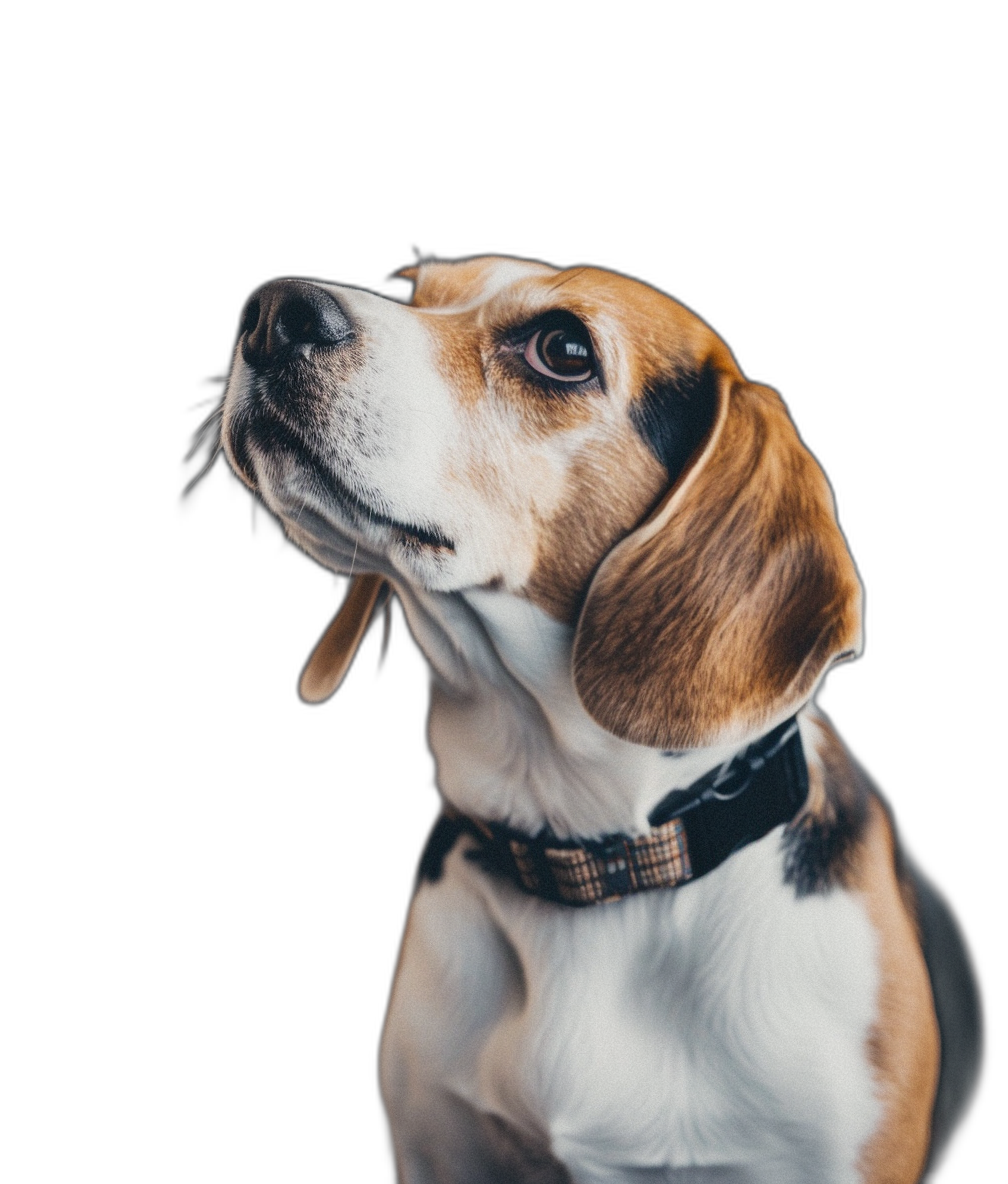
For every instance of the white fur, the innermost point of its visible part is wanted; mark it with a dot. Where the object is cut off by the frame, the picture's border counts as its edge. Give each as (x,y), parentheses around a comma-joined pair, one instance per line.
(510,736)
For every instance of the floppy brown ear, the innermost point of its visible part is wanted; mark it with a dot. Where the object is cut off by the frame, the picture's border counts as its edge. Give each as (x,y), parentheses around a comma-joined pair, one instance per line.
(720,613)
(331,658)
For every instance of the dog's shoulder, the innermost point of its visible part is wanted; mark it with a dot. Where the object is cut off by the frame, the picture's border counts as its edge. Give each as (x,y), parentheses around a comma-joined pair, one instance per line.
(925,1045)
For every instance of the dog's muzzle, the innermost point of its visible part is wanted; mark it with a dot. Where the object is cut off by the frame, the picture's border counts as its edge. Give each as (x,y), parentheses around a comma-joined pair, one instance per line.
(283,316)
(284,324)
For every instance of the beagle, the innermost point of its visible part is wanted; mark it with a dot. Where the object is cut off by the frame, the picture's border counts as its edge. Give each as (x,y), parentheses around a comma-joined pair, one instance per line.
(663,930)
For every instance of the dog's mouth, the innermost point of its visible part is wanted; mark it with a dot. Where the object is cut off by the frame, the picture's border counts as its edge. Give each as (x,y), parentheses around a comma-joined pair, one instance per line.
(259,434)
(409,534)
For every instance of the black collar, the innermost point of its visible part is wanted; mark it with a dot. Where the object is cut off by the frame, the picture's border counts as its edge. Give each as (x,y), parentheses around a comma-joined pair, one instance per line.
(692,831)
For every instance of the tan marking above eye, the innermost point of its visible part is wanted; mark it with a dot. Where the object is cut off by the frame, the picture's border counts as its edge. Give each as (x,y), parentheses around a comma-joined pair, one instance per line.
(464,282)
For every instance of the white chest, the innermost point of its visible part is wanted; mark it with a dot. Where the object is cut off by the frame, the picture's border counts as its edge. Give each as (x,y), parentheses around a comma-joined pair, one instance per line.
(724,1024)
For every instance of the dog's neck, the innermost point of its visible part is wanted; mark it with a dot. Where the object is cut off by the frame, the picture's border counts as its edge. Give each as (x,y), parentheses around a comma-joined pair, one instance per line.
(510,737)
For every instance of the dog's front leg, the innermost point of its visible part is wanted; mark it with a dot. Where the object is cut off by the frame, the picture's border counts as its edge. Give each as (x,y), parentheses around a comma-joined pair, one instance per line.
(458,977)
(453,1143)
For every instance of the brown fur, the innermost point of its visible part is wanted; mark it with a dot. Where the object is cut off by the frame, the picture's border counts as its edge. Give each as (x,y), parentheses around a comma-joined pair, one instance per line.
(595,514)
(438,284)
(904,1046)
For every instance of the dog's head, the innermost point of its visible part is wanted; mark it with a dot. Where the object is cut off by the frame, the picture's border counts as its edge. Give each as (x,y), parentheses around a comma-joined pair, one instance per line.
(573,437)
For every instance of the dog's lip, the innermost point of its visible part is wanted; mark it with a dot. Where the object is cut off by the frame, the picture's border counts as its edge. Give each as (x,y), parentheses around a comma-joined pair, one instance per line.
(271,435)
(410,533)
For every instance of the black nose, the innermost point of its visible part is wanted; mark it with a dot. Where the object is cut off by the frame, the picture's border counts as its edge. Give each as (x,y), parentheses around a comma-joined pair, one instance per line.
(286,313)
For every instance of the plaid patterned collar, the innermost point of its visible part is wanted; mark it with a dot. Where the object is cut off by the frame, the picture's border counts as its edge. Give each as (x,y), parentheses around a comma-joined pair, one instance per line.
(692,831)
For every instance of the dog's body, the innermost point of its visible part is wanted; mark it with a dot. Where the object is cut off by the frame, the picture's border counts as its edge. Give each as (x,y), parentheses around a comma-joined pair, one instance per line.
(623,568)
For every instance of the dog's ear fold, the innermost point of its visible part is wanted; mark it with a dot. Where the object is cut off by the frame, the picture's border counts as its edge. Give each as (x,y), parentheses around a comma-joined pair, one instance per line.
(331,658)
(720,613)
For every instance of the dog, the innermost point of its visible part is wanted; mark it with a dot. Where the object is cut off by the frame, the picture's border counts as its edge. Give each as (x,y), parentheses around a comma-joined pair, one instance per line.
(663,929)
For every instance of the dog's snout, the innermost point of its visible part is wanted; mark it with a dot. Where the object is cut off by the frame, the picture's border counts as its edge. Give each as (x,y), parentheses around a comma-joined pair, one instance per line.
(284,314)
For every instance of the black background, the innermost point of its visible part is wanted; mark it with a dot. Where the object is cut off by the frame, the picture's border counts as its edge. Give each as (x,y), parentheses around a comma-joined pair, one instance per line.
(834,275)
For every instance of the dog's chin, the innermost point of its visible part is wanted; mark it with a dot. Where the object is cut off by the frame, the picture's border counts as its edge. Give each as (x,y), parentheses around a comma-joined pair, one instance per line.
(321,513)
(348,547)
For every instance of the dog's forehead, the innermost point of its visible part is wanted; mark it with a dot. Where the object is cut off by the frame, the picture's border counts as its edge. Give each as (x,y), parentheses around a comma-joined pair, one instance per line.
(658,329)
(456,285)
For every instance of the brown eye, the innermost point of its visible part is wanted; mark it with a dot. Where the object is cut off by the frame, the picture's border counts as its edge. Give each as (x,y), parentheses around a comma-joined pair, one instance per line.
(562,351)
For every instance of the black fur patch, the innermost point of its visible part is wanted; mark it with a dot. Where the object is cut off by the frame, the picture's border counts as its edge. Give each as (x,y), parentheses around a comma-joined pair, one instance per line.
(819,847)
(439,843)
(675,414)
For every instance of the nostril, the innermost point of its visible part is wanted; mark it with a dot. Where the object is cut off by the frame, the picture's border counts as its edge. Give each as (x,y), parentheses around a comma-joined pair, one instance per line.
(250,317)
(289,313)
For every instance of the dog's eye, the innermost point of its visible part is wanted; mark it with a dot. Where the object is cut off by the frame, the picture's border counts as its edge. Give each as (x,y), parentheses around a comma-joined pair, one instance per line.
(562,350)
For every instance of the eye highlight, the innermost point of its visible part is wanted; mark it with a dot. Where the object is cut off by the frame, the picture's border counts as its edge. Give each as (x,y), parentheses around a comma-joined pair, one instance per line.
(562,350)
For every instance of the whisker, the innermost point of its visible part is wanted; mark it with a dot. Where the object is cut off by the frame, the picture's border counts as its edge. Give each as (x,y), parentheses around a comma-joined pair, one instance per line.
(204,431)
(207,435)
(567,279)
(353,558)
(386,631)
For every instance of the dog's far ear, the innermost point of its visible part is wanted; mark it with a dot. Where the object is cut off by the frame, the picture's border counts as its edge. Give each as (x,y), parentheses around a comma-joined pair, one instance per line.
(331,657)
(720,613)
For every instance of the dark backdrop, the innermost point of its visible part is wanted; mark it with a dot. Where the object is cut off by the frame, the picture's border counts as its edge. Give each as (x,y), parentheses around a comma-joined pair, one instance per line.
(294,830)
